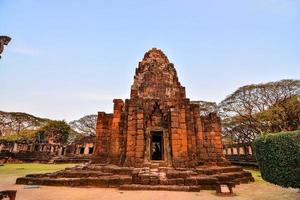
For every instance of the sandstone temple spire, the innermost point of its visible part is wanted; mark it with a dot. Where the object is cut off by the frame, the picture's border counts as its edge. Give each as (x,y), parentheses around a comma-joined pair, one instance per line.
(158,122)
(156,78)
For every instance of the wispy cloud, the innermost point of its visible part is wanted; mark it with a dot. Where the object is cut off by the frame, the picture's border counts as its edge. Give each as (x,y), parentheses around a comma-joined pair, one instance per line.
(29,51)
(84,95)
(284,7)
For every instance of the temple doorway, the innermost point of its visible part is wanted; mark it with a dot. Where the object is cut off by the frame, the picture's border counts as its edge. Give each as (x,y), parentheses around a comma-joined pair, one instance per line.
(157,146)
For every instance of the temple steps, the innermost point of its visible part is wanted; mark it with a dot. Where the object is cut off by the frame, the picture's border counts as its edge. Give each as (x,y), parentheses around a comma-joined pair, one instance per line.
(232,175)
(66,159)
(204,182)
(216,170)
(108,181)
(146,178)
(161,187)
(71,174)
(107,169)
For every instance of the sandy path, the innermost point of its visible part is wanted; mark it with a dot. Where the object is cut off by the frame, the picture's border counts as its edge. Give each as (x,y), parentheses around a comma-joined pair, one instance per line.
(253,191)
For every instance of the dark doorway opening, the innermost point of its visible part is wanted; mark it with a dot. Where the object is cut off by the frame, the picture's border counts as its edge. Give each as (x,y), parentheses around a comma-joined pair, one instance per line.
(91,150)
(157,145)
(63,151)
(82,150)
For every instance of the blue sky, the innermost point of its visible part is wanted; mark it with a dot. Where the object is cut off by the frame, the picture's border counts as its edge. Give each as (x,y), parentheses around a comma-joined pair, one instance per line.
(69,58)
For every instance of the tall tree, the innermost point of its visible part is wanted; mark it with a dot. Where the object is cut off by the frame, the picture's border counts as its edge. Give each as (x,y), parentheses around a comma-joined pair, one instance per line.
(85,125)
(54,132)
(250,110)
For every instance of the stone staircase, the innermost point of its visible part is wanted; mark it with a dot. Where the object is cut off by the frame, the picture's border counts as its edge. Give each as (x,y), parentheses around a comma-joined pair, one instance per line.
(146,178)
(69,159)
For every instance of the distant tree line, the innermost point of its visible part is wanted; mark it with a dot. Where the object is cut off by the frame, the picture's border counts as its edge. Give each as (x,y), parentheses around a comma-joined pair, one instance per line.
(53,131)
(246,113)
(13,122)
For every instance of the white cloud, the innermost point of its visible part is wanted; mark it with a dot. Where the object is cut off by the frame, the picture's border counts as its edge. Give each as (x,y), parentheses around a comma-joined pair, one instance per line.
(29,51)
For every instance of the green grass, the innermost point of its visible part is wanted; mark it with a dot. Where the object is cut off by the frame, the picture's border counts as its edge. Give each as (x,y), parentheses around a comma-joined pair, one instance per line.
(256,175)
(29,168)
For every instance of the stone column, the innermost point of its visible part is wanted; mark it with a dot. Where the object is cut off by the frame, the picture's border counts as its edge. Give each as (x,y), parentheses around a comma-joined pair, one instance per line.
(183,134)
(115,131)
(191,125)
(175,136)
(131,134)
(15,147)
(103,132)
(140,140)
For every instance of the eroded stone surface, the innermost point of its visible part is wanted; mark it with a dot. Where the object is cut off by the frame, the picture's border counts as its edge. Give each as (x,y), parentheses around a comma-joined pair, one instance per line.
(158,108)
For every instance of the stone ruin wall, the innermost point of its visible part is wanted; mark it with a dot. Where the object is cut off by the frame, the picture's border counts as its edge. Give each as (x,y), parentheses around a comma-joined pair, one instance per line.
(194,140)
(34,151)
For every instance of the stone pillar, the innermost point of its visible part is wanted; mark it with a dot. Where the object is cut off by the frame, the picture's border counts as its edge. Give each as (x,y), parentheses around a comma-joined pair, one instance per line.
(175,137)
(191,133)
(115,131)
(131,134)
(140,138)
(86,149)
(103,134)
(183,134)
(15,147)
(201,150)
(250,150)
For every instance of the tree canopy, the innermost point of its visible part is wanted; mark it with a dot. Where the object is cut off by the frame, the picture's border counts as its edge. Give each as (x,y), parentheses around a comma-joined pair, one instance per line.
(85,125)
(14,122)
(54,132)
(255,109)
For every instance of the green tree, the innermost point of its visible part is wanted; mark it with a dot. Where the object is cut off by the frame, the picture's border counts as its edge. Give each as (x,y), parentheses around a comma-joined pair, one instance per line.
(282,116)
(54,132)
(85,125)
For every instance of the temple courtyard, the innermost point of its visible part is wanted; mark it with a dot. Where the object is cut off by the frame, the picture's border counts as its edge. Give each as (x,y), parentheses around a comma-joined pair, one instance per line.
(10,172)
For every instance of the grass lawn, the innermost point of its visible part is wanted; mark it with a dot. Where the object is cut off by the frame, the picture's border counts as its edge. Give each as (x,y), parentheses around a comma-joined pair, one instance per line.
(29,168)
(256,175)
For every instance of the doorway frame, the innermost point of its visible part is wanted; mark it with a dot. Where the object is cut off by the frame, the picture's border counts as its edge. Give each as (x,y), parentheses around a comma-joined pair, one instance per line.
(162,147)
(166,146)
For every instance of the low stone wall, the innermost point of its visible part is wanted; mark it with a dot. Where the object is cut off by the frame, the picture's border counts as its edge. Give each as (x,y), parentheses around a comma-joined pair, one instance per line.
(240,154)
(28,151)
(20,157)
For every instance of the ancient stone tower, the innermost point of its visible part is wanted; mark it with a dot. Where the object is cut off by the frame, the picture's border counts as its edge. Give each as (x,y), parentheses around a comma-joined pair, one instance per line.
(158,124)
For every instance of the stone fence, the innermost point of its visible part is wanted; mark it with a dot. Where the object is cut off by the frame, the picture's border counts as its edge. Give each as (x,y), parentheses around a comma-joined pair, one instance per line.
(240,154)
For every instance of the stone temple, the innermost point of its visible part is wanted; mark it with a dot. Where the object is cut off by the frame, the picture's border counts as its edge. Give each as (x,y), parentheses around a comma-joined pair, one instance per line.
(156,140)
(158,124)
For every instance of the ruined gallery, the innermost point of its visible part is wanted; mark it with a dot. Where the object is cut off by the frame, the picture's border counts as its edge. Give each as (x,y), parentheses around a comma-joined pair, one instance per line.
(157,139)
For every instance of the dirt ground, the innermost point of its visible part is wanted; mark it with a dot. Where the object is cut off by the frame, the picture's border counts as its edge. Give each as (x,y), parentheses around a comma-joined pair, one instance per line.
(259,190)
